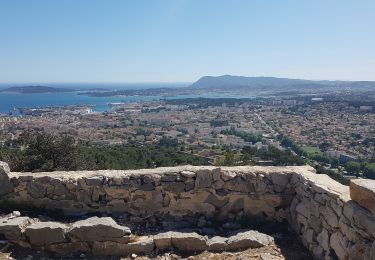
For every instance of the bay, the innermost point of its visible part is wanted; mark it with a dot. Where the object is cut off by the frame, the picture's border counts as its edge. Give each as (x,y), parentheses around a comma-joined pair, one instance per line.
(10,100)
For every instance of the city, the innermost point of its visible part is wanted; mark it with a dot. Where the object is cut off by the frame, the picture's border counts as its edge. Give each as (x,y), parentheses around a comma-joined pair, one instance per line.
(330,132)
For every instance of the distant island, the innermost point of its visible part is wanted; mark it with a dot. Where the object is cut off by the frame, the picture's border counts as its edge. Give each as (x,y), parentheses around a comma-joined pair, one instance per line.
(36,89)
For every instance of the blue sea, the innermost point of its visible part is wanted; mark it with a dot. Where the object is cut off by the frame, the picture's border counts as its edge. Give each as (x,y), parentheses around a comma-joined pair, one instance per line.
(9,100)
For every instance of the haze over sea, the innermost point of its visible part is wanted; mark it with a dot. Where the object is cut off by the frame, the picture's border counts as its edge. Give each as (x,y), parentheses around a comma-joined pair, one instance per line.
(11,100)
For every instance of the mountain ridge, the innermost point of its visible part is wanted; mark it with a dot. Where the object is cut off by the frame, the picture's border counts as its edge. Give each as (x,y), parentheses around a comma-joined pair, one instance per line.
(272,82)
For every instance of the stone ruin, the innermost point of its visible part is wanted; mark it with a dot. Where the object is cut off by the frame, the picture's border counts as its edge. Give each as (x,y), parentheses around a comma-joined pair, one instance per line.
(333,221)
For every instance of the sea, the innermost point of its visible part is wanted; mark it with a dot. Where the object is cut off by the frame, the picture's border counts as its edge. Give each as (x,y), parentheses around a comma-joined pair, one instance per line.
(10,101)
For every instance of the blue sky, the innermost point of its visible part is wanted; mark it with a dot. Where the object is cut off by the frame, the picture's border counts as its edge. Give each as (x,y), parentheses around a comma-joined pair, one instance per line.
(182,40)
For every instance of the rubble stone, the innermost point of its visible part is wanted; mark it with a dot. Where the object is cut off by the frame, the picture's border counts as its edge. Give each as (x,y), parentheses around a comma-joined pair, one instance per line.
(362,191)
(328,217)
(98,229)
(248,239)
(188,242)
(44,233)
(217,244)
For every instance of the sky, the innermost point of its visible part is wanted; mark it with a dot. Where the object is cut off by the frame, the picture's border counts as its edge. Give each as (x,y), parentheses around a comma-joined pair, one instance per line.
(182,40)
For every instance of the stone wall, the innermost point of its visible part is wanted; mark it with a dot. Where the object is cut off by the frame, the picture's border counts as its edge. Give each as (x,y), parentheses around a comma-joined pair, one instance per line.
(104,237)
(215,193)
(328,221)
(331,220)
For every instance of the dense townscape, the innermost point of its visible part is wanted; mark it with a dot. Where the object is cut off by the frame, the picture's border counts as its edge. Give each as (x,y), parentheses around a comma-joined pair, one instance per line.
(331,133)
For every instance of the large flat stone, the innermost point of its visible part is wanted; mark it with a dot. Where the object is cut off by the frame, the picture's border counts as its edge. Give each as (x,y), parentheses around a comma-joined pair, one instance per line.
(45,233)
(12,228)
(217,244)
(109,248)
(69,248)
(188,242)
(248,239)
(163,241)
(98,229)
(143,246)
(362,191)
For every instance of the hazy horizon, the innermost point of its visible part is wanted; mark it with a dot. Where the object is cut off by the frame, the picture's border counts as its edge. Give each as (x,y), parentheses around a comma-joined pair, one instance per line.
(155,82)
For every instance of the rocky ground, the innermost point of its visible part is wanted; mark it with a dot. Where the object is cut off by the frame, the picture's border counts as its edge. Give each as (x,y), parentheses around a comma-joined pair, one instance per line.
(285,247)
(265,253)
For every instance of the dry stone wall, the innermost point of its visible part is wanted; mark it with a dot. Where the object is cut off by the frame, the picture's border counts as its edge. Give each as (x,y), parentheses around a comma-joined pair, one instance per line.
(332,220)
(328,221)
(215,193)
(104,237)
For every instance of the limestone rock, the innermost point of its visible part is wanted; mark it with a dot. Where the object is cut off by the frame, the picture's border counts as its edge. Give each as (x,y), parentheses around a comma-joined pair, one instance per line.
(12,228)
(280,179)
(144,245)
(94,181)
(69,248)
(227,175)
(176,187)
(188,242)
(302,209)
(117,206)
(36,189)
(168,178)
(308,235)
(5,184)
(362,191)
(163,241)
(237,184)
(188,174)
(323,239)
(331,218)
(98,229)
(217,244)
(44,233)
(248,239)
(317,208)
(318,252)
(117,192)
(338,247)
(204,179)
(109,248)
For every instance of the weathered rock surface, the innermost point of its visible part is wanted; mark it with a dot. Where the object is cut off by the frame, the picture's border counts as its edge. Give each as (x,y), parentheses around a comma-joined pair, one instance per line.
(44,233)
(330,221)
(69,248)
(5,184)
(163,241)
(217,244)
(98,229)
(188,242)
(362,191)
(13,227)
(144,246)
(248,239)
(109,248)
